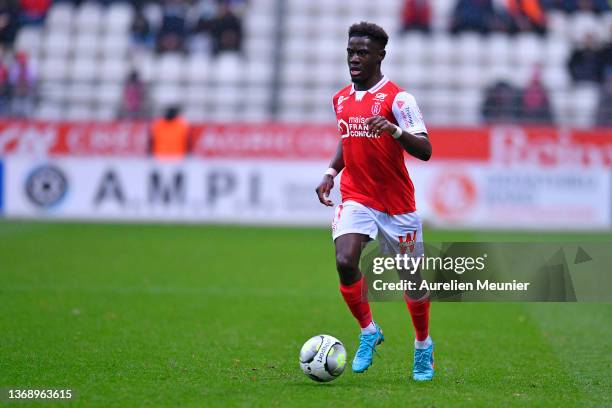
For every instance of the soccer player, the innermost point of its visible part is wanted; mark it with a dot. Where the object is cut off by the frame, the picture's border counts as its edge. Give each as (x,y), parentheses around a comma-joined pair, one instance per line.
(377,122)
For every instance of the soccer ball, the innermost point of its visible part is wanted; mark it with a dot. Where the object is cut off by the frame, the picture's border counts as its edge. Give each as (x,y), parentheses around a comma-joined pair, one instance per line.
(323,358)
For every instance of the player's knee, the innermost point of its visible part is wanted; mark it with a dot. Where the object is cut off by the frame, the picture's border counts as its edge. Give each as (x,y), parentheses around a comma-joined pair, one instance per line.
(346,265)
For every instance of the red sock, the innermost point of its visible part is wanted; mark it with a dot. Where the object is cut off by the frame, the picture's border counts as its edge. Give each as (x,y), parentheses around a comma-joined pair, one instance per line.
(356,298)
(419,312)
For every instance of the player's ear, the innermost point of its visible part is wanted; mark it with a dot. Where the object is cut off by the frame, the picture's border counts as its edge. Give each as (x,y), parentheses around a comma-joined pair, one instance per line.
(382,54)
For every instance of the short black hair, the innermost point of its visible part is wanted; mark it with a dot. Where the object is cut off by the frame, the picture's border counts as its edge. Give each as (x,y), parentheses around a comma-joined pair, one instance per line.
(172,112)
(372,31)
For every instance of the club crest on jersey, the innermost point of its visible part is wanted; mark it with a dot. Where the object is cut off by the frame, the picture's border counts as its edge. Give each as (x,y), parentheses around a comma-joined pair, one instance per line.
(380,96)
(408,242)
(376,108)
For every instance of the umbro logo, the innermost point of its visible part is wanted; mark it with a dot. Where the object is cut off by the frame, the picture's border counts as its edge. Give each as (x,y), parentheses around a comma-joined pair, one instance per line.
(342,99)
(380,96)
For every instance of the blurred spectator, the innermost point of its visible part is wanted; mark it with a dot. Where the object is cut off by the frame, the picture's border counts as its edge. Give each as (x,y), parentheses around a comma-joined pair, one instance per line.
(134,102)
(535,107)
(585,63)
(472,15)
(416,15)
(173,30)
(606,54)
(527,15)
(604,108)
(142,36)
(204,11)
(170,136)
(9,23)
(226,31)
(22,79)
(501,103)
(33,11)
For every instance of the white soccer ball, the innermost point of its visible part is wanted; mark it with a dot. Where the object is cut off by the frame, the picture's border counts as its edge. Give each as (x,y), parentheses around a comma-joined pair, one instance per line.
(323,358)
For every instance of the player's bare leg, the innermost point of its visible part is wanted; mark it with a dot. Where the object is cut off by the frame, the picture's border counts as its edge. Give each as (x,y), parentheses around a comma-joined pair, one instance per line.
(354,292)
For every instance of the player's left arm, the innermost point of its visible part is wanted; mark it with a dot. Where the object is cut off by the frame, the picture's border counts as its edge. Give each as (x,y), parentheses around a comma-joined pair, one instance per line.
(411,132)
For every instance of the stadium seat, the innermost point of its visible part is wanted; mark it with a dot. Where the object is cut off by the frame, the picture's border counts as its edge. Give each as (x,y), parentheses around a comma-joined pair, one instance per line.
(498,49)
(257,24)
(441,49)
(414,47)
(113,70)
(86,45)
(118,18)
(558,25)
(470,48)
(197,95)
(584,104)
(89,17)
(581,24)
(48,111)
(164,95)
(53,92)
(169,68)
(60,17)
(78,112)
(53,69)
(29,40)
(83,70)
(258,72)
(556,77)
(528,49)
(57,44)
(114,45)
(105,113)
(108,93)
(227,68)
(557,52)
(80,93)
(198,69)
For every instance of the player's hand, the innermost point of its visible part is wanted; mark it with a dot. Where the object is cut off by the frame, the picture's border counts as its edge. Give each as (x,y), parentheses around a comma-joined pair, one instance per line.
(324,188)
(378,124)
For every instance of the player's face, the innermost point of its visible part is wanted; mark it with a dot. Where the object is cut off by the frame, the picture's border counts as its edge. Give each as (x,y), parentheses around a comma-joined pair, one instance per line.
(363,58)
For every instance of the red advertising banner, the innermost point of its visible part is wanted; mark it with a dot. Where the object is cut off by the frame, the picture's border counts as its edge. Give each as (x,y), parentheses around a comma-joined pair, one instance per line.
(505,145)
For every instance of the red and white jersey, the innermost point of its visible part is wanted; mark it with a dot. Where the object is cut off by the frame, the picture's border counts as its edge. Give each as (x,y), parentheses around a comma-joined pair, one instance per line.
(375,174)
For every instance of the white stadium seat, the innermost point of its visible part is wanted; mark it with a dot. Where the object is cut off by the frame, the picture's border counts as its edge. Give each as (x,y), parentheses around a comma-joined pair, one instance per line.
(114,45)
(498,49)
(108,93)
(89,17)
(86,45)
(198,69)
(54,69)
(48,111)
(118,18)
(83,69)
(57,44)
(60,17)
(227,68)
(78,93)
(113,70)
(29,40)
(170,68)
(78,112)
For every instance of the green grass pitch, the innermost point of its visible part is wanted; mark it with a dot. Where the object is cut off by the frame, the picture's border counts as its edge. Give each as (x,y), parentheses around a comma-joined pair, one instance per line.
(135,315)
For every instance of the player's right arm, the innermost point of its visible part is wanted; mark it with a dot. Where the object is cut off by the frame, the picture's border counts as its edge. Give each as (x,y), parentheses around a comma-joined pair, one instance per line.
(327,183)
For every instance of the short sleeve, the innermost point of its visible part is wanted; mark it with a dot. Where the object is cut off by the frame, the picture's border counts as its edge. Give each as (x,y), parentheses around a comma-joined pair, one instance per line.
(408,114)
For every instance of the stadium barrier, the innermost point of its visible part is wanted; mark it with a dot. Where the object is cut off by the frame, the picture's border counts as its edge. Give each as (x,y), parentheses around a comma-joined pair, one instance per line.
(498,177)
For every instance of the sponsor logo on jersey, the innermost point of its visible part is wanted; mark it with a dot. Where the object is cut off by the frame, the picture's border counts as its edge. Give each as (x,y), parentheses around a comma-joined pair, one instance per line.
(380,96)
(355,127)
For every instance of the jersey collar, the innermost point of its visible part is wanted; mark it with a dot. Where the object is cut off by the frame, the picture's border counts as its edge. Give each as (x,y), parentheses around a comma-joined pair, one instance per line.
(383,81)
